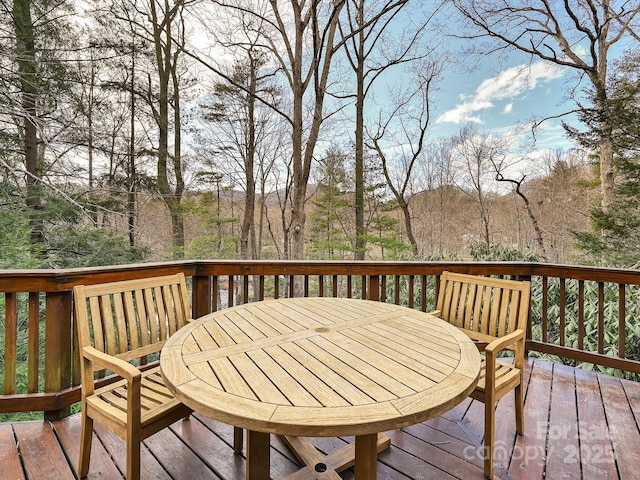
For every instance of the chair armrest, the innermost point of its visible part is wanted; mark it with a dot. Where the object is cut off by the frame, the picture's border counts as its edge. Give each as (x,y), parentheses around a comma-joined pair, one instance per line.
(109,362)
(503,342)
(515,337)
(436,313)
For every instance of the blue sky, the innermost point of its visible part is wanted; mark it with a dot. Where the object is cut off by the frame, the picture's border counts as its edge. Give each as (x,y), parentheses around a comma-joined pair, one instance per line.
(500,101)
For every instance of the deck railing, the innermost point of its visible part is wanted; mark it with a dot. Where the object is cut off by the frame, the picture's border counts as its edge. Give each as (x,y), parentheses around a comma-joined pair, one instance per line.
(579,314)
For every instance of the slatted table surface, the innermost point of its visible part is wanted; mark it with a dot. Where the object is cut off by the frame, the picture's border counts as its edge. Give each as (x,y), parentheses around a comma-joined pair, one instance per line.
(319,367)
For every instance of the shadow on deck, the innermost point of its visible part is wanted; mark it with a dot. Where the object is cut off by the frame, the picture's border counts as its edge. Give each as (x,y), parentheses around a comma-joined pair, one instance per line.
(577,425)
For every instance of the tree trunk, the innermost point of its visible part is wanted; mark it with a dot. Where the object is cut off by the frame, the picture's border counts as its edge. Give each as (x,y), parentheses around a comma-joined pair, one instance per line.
(131,173)
(166,64)
(303,157)
(360,243)
(26,59)
(247,230)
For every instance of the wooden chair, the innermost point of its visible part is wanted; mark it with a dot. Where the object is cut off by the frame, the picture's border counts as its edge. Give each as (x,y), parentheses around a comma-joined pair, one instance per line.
(119,325)
(493,313)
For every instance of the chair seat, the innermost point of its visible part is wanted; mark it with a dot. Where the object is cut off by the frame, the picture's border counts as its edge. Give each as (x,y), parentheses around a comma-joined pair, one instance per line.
(156,401)
(507,377)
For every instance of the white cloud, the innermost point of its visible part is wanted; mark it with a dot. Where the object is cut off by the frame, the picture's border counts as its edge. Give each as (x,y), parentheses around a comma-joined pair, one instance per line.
(508,84)
(507,108)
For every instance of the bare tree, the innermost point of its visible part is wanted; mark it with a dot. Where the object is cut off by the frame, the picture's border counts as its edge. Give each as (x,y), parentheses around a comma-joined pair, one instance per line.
(431,204)
(244,135)
(474,155)
(370,53)
(162,24)
(403,129)
(561,33)
(534,220)
(301,38)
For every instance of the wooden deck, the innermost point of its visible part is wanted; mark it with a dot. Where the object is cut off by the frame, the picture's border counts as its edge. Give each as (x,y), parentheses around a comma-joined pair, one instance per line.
(578,425)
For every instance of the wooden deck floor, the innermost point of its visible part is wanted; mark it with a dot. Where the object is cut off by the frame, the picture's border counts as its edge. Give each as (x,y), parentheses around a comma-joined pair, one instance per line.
(577,425)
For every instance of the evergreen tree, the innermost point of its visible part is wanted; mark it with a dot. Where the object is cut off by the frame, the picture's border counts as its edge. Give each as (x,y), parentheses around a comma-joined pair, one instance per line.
(331,231)
(615,235)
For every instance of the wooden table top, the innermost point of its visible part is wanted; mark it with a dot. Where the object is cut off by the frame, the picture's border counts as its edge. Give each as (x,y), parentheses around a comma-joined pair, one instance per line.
(320,366)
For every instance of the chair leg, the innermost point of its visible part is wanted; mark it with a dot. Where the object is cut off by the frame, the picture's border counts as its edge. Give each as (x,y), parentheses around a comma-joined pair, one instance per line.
(519,400)
(86,433)
(489,437)
(133,459)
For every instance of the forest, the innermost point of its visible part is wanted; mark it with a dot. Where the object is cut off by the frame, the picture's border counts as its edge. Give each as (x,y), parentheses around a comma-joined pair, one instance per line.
(149,130)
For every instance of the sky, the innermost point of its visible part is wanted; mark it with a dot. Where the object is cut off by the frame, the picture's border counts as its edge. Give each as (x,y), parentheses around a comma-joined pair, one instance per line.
(501,101)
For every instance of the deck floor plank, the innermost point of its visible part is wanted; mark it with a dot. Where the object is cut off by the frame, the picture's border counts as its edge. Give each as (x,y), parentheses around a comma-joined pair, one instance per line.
(563,408)
(210,448)
(283,462)
(447,454)
(442,439)
(9,455)
(622,427)
(596,457)
(563,448)
(528,461)
(102,465)
(183,463)
(150,469)
(42,455)
(448,427)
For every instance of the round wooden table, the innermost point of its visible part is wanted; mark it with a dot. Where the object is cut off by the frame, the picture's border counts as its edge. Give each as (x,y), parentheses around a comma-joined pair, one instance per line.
(319,367)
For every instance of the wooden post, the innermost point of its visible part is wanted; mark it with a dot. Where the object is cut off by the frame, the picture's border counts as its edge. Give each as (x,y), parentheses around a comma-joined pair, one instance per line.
(374,287)
(58,349)
(200,295)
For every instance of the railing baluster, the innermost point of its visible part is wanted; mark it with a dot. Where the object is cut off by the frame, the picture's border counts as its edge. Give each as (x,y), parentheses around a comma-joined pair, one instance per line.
(545,310)
(33,341)
(335,286)
(261,288)
(396,293)
(10,342)
(581,325)
(563,311)
(622,320)
(245,289)
(411,292)
(374,287)
(230,290)
(201,300)
(215,292)
(600,317)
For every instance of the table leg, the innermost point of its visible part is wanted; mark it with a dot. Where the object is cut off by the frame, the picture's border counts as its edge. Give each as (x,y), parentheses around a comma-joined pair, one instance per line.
(258,456)
(366,457)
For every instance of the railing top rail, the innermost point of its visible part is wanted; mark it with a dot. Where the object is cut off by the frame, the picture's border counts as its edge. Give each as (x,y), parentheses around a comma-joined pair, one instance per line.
(60,280)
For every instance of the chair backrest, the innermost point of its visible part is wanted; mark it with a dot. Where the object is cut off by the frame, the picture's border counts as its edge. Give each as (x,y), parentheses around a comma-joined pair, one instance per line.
(484,307)
(131,319)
